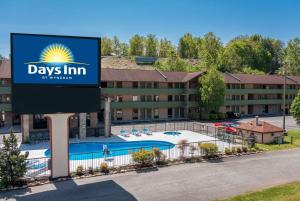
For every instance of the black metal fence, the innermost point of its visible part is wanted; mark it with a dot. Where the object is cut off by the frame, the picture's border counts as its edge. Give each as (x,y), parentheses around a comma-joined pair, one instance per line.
(122,157)
(38,167)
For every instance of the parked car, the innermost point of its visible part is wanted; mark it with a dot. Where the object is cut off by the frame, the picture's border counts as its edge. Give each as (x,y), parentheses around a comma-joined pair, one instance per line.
(233,115)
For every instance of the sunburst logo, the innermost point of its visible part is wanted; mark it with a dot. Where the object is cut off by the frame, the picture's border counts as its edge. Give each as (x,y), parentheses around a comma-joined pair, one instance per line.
(56,53)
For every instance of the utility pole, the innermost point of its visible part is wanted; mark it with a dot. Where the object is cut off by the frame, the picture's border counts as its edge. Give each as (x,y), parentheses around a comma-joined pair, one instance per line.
(284,97)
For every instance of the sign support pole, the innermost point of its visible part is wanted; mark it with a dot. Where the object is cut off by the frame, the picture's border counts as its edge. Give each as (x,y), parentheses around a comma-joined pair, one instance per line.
(59,144)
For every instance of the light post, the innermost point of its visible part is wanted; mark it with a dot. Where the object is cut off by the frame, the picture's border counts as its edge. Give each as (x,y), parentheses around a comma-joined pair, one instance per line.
(284,97)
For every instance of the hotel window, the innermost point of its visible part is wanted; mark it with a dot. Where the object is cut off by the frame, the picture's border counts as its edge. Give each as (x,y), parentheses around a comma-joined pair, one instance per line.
(156,98)
(149,98)
(182,97)
(176,97)
(135,85)
(103,84)
(149,84)
(228,86)
(119,84)
(170,112)
(181,85)
(170,98)
(119,98)
(177,85)
(227,108)
(135,114)
(142,114)
(156,114)
(170,85)
(39,121)
(142,85)
(181,112)
(110,84)
(155,85)
(88,120)
(134,98)
(176,112)
(149,113)
(119,114)
(143,98)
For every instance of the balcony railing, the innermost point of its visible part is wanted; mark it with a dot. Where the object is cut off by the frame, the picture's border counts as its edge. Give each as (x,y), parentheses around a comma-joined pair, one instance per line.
(256,102)
(259,91)
(146,91)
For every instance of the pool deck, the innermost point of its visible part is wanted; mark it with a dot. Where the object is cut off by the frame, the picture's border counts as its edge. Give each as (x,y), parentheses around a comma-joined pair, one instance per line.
(38,150)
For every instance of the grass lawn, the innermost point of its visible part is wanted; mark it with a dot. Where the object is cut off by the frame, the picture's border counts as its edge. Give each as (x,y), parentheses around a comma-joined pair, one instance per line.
(287,142)
(287,192)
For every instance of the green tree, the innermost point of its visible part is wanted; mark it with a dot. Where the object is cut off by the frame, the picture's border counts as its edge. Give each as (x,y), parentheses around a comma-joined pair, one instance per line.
(151,46)
(165,48)
(124,49)
(106,46)
(187,47)
(212,90)
(116,46)
(255,52)
(173,63)
(292,57)
(295,108)
(210,50)
(12,162)
(136,45)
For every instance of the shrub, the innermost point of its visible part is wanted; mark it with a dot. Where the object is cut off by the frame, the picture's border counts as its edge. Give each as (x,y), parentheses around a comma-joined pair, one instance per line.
(252,149)
(213,116)
(79,170)
(12,162)
(208,149)
(228,151)
(193,148)
(245,149)
(104,167)
(239,150)
(182,145)
(143,157)
(221,115)
(158,155)
(90,170)
(233,150)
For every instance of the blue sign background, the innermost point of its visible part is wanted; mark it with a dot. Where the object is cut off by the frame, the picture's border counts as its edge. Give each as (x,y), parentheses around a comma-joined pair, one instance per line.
(28,48)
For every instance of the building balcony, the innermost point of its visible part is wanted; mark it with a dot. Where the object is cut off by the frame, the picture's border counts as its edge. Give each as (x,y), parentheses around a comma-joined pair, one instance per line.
(152,104)
(256,102)
(147,91)
(6,107)
(5,90)
(259,91)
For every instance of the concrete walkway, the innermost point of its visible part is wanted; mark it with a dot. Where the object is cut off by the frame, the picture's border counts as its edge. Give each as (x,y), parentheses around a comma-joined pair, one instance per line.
(201,181)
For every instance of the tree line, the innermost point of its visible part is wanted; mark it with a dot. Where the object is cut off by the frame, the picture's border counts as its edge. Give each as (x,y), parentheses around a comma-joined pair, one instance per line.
(254,54)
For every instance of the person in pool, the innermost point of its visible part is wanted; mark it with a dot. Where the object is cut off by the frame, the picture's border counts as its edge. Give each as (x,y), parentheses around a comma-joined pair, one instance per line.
(105,151)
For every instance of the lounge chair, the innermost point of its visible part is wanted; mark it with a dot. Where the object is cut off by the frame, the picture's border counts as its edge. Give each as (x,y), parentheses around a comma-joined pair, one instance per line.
(124,133)
(146,131)
(135,132)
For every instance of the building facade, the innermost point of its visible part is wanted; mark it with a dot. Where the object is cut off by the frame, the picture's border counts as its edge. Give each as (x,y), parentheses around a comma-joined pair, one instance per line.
(140,95)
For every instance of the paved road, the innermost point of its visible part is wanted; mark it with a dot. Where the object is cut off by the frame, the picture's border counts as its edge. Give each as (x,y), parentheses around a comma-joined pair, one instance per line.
(201,181)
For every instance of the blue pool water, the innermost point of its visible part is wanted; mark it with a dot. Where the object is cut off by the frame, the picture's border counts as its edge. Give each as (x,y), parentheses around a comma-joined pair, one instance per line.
(172,133)
(90,150)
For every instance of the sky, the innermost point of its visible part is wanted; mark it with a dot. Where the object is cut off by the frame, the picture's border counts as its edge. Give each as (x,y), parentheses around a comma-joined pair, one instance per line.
(165,18)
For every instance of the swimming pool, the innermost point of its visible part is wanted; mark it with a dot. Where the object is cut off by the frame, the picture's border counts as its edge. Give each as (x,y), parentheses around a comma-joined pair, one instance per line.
(90,150)
(172,133)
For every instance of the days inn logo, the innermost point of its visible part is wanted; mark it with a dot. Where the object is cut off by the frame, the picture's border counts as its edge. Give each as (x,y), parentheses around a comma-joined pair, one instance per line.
(56,63)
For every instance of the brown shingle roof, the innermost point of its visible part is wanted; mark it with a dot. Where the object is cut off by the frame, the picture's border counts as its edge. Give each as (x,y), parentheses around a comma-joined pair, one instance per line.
(109,74)
(262,127)
(259,79)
